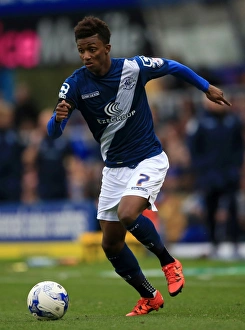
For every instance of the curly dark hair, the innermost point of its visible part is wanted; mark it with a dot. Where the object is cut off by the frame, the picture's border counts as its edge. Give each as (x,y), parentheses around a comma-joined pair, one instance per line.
(91,26)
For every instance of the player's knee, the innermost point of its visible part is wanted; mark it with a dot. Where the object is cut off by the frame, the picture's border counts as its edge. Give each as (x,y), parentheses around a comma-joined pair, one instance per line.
(129,208)
(112,247)
(126,216)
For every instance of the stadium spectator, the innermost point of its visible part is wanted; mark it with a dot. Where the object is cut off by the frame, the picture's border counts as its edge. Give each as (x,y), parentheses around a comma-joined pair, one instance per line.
(216,148)
(48,156)
(7,84)
(241,204)
(110,94)
(29,183)
(10,156)
(25,111)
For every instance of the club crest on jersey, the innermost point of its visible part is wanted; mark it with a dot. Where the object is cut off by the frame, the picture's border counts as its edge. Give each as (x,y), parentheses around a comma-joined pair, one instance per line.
(63,91)
(152,62)
(128,83)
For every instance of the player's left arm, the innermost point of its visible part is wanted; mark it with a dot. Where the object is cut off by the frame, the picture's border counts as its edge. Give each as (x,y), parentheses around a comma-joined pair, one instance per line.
(213,93)
(151,68)
(216,95)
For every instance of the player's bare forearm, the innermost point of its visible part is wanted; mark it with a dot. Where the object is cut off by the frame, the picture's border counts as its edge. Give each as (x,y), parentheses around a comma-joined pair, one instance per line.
(216,95)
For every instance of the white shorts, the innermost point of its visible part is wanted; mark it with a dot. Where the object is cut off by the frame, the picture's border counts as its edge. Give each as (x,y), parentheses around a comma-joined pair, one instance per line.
(145,180)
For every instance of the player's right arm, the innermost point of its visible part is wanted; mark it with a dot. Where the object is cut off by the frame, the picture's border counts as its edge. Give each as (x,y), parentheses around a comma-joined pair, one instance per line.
(58,121)
(63,110)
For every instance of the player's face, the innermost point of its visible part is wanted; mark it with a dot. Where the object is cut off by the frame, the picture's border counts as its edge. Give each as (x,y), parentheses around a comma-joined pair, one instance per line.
(94,54)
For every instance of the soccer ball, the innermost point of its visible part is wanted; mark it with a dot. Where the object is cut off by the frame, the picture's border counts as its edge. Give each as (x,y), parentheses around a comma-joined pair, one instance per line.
(48,300)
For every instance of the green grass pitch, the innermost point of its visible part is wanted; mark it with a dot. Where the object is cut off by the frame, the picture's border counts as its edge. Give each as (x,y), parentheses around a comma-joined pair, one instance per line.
(213,297)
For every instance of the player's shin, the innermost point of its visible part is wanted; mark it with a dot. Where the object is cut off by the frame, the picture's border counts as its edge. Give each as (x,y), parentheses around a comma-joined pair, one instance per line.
(145,232)
(127,266)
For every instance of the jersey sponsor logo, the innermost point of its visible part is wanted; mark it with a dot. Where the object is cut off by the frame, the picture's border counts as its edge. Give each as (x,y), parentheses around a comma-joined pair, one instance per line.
(112,109)
(116,118)
(116,114)
(152,62)
(89,95)
(63,91)
(128,83)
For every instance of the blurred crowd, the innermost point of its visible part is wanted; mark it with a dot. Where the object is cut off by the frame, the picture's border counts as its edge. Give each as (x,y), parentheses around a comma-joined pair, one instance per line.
(35,168)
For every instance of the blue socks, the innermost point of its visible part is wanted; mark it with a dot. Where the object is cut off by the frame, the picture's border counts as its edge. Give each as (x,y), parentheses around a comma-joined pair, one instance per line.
(145,232)
(127,266)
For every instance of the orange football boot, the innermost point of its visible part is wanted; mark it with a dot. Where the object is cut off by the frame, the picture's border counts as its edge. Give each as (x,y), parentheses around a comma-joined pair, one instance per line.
(146,305)
(174,277)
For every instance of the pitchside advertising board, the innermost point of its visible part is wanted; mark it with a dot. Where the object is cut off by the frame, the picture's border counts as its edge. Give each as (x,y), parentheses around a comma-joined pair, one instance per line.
(23,7)
(48,40)
(52,221)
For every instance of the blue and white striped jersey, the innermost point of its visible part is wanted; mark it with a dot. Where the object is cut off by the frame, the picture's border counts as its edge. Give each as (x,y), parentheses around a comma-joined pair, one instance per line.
(116,109)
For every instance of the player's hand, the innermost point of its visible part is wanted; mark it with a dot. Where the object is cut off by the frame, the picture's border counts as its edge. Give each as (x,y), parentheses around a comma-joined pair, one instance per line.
(62,110)
(216,95)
